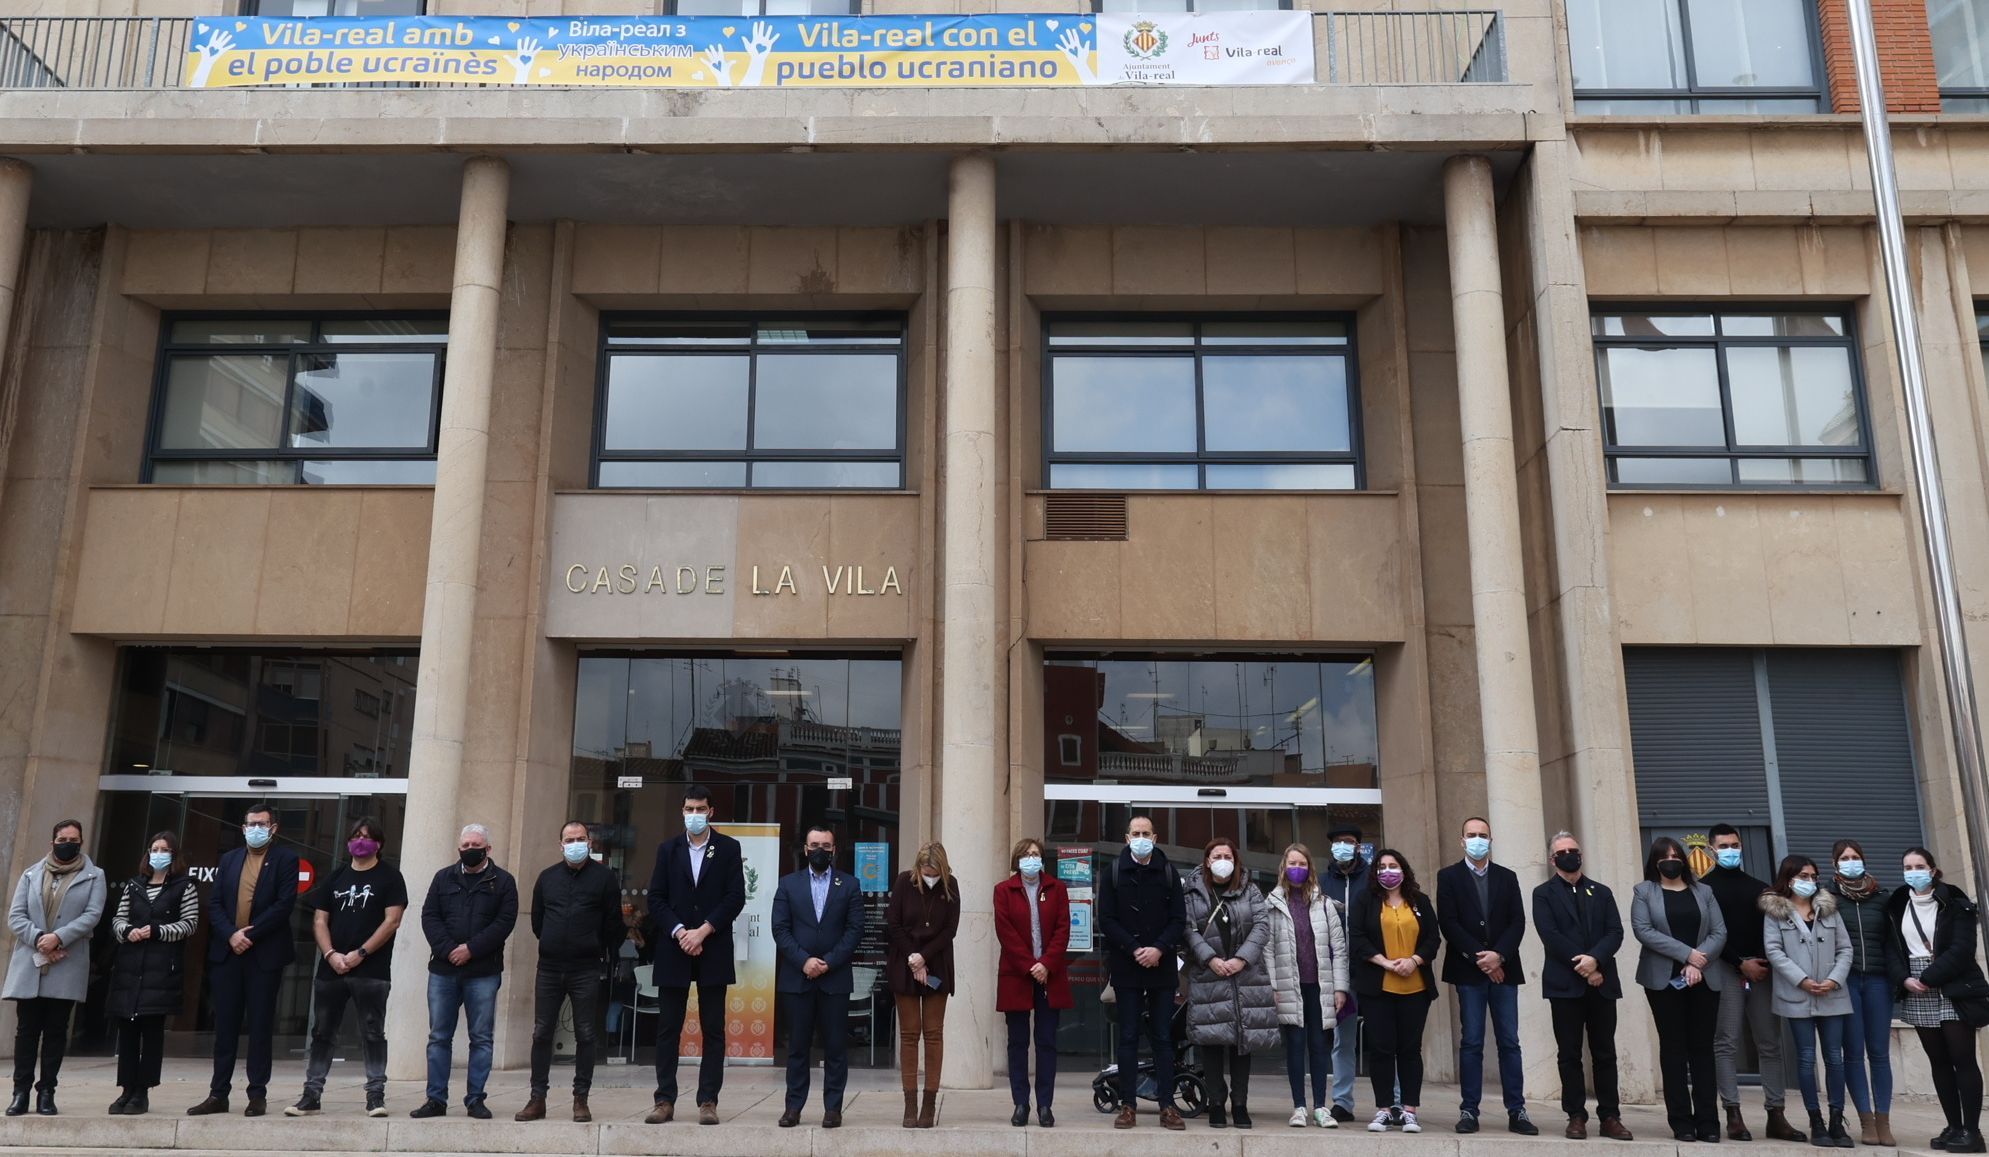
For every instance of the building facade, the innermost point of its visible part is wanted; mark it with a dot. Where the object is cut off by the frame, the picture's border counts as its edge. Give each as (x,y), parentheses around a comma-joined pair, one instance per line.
(1505,424)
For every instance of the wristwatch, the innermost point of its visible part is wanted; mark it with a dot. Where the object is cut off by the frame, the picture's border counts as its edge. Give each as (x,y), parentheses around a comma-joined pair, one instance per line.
(360,952)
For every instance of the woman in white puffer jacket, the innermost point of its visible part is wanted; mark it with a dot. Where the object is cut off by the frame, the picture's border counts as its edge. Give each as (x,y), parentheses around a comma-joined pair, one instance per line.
(1307,962)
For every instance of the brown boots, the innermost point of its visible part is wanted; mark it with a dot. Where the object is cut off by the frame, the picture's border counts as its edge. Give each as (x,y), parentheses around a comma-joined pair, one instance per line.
(911,1120)
(1736,1126)
(1779,1128)
(1882,1129)
(919,1113)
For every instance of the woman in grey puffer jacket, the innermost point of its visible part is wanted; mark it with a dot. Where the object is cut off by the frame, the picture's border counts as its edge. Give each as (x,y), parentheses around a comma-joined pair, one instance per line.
(1232,1011)
(1809,952)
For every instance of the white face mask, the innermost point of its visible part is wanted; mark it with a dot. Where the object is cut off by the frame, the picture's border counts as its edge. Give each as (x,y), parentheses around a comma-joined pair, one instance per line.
(1222,869)
(930,881)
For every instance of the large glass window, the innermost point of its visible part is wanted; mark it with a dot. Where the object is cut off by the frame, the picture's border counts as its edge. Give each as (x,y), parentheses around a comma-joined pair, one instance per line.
(1644,57)
(1961,53)
(1274,721)
(226,712)
(1731,399)
(284,400)
(808,403)
(1212,404)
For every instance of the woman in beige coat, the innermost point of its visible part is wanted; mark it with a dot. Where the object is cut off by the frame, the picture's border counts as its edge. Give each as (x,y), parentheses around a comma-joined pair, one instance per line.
(1809,953)
(1308,966)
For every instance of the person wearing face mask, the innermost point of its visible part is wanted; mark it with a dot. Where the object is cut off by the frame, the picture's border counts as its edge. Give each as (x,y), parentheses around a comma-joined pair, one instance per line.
(1682,930)
(817,924)
(577,919)
(1930,955)
(1581,931)
(1393,938)
(696,891)
(1809,951)
(57,905)
(468,915)
(1746,997)
(1141,917)
(248,948)
(157,910)
(1484,920)
(919,923)
(1307,962)
(1341,878)
(357,916)
(1868,1035)
(1232,1011)
(1032,975)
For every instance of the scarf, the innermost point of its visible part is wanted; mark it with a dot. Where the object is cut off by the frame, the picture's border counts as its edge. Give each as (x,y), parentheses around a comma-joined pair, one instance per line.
(1860,889)
(55,880)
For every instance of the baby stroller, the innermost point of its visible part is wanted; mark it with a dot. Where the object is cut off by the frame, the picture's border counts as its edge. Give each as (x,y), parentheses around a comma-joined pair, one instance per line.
(1190,1095)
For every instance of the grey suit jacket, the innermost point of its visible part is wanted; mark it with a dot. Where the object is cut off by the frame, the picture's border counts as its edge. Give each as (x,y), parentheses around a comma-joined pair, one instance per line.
(1661,948)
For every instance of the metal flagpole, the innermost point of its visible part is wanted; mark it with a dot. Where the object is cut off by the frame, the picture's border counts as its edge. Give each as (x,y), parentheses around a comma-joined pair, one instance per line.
(1926,458)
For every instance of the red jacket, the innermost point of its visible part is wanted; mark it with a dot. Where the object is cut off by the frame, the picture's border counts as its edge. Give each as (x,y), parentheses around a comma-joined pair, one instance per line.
(1015,988)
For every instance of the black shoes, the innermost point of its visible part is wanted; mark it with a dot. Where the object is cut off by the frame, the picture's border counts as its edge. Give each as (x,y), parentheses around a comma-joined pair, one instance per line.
(1966,1141)
(1020,1116)
(376,1104)
(45,1102)
(19,1104)
(132,1104)
(789,1118)
(431,1108)
(477,1110)
(210,1106)
(1216,1118)
(258,1106)
(1467,1122)
(1045,1118)
(306,1106)
(123,1101)
(1239,1115)
(1522,1124)
(1341,1113)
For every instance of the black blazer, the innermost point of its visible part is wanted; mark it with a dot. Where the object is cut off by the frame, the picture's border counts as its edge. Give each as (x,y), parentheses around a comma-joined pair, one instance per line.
(1468,931)
(797,935)
(1559,924)
(1954,971)
(1364,940)
(718,897)
(269,910)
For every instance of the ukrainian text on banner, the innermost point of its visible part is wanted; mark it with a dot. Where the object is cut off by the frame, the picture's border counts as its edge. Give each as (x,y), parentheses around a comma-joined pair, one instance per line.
(1227,48)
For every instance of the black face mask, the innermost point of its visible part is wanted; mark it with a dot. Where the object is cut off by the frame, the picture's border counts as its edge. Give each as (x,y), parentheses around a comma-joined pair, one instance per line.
(821,859)
(473,857)
(1671,869)
(1568,861)
(67,851)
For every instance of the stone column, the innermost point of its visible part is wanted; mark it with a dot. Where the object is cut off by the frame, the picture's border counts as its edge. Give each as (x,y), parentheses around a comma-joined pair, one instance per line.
(971,658)
(1498,581)
(16,185)
(455,540)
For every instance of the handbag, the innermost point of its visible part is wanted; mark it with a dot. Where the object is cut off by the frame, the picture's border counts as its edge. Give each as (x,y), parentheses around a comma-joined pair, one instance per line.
(1970,998)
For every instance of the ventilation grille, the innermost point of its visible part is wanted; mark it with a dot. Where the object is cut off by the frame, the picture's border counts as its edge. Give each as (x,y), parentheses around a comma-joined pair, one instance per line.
(1085,517)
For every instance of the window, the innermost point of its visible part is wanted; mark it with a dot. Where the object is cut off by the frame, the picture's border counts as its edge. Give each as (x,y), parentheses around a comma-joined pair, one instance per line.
(1643,57)
(1210,404)
(1070,750)
(326,400)
(1961,53)
(1731,399)
(766,8)
(806,403)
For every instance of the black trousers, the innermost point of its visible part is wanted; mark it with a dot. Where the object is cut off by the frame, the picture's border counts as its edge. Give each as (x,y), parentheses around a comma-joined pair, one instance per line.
(1044,1019)
(1957,1078)
(673,1004)
(41,1029)
(1236,1089)
(1395,1045)
(1592,1015)
(1153,1009)
(243,992)
(141,1046)
(1686,1019)
(813,1016)
(552,989)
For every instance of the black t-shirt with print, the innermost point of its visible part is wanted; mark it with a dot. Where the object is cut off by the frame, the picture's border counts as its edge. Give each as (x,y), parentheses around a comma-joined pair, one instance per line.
(358,902)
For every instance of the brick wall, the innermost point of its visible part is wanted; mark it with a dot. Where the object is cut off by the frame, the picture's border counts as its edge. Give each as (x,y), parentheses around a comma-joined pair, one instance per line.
(1906,55)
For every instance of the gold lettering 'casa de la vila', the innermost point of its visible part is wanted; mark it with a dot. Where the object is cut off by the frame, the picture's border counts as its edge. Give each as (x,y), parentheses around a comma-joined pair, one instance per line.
(630,578)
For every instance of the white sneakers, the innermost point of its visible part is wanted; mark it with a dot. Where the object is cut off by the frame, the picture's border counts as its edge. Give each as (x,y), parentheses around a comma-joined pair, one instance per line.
(1297,1120)
(1324,1119)
(1409,1122)
(1380,1122)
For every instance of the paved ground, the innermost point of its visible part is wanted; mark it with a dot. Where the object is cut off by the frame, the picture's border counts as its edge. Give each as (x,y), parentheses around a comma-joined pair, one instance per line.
(970,1121)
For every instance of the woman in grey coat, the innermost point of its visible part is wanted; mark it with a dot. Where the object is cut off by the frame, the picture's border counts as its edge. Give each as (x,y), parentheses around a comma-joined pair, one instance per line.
(1232,1011)
(1809,952)
(1679,924)
(56,906)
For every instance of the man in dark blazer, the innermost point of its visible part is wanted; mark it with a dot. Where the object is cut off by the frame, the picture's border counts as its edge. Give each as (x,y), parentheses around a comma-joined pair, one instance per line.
(248,947)
(1483,920)
(1142,918)
(817,922)
(1581,931)
(696,891)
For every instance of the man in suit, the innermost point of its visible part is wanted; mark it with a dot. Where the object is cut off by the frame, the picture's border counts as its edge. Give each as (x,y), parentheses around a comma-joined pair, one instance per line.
(1581,931)
(698,888)
(248,910)
(1483,921)
(817,922)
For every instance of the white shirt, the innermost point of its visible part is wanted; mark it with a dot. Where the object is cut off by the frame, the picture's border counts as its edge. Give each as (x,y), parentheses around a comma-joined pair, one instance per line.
(1927,910)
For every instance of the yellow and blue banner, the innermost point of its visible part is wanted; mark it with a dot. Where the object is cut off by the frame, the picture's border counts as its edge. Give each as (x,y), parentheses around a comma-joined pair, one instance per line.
(1035,50)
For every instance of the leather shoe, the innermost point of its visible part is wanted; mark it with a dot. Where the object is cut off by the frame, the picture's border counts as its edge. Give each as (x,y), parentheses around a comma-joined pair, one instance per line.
(44,1103)
(1045,1118)
(1614,1129)
(1127,1118)
(832,1118)
(209,1106)
(1577,1129)
(708,1113)
(1020,1116)
(477,1110)
(429,1108)
(581,1112)
(790,1118)
(1170,1118)
(1710,1134)
(258,1106)
(534,1110)
(1522,1124)
(662,1113)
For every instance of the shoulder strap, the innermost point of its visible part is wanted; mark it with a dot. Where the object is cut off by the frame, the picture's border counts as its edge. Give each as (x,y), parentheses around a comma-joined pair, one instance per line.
(1917,926)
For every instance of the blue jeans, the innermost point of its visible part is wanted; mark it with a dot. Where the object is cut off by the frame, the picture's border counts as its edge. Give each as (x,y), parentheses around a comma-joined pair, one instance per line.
(1310,1042)
(1346,1051)
(447,995)
(1806,1030)
(1502,1002)
(1869,1034)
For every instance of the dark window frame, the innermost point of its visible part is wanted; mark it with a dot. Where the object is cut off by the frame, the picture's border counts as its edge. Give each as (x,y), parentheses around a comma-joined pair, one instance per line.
(168,349)
(1958,93)
(1697,95)
(1202,457)
(1720,343)
(752,320)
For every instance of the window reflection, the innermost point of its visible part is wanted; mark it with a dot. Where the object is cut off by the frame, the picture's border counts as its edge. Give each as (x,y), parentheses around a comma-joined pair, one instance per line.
(1644,57)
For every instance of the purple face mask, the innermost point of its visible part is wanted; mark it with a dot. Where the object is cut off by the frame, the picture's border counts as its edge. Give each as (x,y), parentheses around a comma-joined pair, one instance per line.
(1389,877)
(1298,875)
(362,847)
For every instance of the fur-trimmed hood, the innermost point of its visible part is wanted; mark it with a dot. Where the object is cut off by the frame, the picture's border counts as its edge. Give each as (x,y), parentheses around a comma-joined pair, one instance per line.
(1823,905)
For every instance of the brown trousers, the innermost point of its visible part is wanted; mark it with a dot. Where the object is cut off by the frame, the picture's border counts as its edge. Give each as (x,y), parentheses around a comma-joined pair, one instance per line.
(920,1016)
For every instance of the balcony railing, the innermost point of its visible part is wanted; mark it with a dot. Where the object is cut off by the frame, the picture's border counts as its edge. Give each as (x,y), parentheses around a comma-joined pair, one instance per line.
(137,52)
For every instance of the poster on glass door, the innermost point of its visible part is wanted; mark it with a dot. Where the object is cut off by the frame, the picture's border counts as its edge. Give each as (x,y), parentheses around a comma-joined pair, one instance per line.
(749,1015)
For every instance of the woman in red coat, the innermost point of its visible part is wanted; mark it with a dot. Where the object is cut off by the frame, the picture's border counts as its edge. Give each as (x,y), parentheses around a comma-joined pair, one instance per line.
(1032,924)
